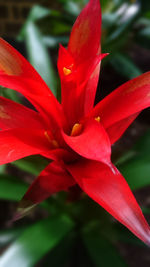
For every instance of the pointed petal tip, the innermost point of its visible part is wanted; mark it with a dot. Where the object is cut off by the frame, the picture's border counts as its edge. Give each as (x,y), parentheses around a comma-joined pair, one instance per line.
(17,216)
(147,238)
(24,208)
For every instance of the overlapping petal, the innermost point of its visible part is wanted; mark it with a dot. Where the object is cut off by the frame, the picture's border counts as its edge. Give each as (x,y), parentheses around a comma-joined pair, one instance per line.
(81,63)
(53,178)
(14,115)
(117,129)
(21,142)
(17,73)
(78,84)
(92,143)
(107,187)
(127,100)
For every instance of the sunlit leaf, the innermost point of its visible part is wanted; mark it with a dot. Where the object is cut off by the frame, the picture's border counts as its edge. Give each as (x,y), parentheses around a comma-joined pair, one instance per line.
(39,56)
(7,236)
(36,241)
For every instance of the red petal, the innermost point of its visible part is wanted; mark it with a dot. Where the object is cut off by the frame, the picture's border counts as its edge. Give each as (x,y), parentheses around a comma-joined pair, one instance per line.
(127,100)
(21,142)
(44,102)
(85,36)
(92,143)
(52,179)
(108,188)
(14,115)
(117,129)
(78,88)
(18,74)
(13,63)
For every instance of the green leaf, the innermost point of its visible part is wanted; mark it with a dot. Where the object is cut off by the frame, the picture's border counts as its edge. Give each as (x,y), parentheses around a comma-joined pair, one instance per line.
(136,166)
(145,6)
(36,13)
(143,144)
(7,236)
(32,164)
(125,66)
(11,189)
(39,56)
(137,171)
(60,255)
(10,94)
(36,241)
(102,252)
(54,41)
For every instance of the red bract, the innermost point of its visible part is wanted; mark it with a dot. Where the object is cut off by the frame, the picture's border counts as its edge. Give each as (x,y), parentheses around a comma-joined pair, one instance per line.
(73,134)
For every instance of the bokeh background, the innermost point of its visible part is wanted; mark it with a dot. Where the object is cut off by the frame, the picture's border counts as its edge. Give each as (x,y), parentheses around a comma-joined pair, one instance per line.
(69,229)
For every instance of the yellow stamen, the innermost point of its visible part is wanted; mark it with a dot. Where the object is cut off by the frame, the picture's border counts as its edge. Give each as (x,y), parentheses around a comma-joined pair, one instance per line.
(53,142)
(3,115)
(66,71)
(47,136)
(98,118)
(76,129)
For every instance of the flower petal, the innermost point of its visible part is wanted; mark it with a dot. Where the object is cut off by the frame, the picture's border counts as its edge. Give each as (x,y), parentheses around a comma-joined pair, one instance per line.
(17,73)
(14,115)
(117,129)
(21,142)
(85,36)
(45,103)
(53,178)
(127,100)
(92,143)
(78,84)
(13,63)
(107,187)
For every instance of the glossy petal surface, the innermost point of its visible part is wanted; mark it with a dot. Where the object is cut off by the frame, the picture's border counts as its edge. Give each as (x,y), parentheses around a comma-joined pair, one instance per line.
(91,143)
(13,63)
(117,129)
(127,100)
(14,115)
(86,32)
(45,103)
(52,179)
(107,187)
(21,142)
(78,83)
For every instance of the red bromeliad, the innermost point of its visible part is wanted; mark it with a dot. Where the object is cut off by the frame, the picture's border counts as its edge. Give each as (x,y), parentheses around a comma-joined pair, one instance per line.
(73,134)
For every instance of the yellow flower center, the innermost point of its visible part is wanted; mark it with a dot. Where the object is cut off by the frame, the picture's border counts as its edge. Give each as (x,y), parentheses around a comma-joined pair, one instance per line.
(66,71)
(76,129)
(53,142)
(98,118)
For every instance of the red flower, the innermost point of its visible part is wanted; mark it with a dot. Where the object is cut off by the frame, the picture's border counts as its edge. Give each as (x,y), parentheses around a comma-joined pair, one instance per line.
(76,136)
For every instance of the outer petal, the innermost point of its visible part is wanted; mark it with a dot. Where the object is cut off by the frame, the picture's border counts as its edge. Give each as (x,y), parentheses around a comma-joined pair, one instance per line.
(125,101)
(21,142)
(78,86)
(92,143)
(117,129)
(14,115)
(18,74)
(109,189)
(13,63)
(85,36)
(46,104)
(53,178)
